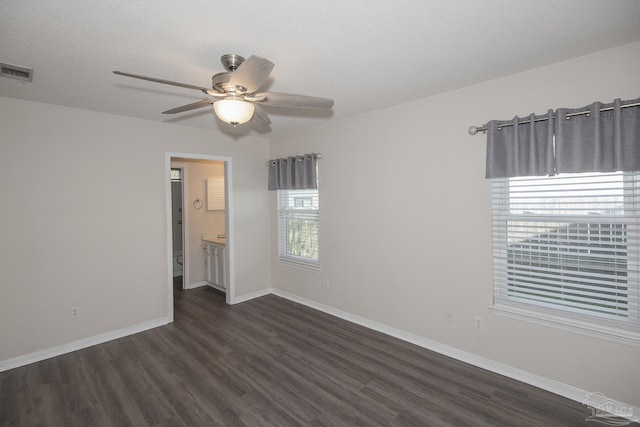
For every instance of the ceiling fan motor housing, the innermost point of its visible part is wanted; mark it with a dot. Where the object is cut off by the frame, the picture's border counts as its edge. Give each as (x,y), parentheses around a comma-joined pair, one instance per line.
(220,83)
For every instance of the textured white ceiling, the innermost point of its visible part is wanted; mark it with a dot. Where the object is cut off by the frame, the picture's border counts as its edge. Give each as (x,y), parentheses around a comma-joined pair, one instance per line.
(366,55)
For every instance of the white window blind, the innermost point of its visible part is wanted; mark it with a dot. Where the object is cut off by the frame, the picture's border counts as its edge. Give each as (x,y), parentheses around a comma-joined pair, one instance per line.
(298,223)
(568,246)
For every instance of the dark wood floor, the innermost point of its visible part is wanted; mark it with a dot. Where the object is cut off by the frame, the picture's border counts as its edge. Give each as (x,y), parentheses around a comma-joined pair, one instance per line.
(267,362)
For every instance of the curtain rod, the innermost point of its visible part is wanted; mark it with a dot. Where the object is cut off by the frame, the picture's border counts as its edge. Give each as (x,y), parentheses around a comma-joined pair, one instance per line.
(475,129)
(317,155)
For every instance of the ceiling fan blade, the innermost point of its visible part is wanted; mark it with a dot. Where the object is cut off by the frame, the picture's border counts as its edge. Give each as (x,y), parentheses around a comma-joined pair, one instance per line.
(199,104)
(260,117)
(252,73)
(290,100)
(166,82)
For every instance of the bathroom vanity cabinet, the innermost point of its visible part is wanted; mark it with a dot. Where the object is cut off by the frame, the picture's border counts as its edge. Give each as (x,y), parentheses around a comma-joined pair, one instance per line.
(214,256)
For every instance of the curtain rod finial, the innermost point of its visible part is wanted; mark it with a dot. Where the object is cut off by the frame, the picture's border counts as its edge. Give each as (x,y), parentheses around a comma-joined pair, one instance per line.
(473,130)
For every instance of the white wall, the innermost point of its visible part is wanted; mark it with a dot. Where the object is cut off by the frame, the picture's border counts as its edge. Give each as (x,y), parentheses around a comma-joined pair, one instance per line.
(83,220)
(405,221)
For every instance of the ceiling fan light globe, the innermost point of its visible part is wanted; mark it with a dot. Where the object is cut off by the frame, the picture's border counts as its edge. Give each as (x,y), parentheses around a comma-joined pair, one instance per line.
(233,111)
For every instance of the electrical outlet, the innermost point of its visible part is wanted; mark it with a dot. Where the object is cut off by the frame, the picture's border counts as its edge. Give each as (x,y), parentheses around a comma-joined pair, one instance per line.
(448,315)
(478,323)
(74,312)
(326,283)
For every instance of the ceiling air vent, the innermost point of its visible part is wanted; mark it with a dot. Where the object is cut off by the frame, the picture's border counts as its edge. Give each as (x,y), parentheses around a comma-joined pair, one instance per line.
(17,72)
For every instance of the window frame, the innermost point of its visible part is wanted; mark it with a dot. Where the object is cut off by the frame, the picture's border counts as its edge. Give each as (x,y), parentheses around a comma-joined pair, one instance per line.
(609,327)
(285,214)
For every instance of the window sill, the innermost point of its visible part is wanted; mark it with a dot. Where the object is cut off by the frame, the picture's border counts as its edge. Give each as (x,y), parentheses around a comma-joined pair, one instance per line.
(298,264)
(570,325)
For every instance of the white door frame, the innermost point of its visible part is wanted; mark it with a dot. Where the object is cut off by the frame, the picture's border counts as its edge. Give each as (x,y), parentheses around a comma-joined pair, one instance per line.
(228,187)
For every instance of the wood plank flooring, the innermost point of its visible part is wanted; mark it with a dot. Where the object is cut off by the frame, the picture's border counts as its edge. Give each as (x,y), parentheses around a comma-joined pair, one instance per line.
(268,362)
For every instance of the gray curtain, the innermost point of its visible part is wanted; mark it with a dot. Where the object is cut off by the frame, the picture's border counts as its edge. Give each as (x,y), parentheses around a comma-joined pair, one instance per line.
(520,149)
(600,141)
(293,173)
(567,141)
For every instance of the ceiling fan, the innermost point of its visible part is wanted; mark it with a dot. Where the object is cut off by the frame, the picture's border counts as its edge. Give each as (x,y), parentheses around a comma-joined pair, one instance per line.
(234,93)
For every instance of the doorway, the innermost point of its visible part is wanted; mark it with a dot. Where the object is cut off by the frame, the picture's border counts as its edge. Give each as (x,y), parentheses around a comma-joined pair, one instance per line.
(185,191)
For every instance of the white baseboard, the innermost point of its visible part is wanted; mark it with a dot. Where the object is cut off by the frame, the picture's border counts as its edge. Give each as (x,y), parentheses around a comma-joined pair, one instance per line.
(196,285)
(547,384)
(217,287)
(250,296)
(37,356)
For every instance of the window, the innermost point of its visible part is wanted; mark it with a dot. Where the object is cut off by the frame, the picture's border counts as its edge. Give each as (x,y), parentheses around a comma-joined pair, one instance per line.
(298,220)
(567,250)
